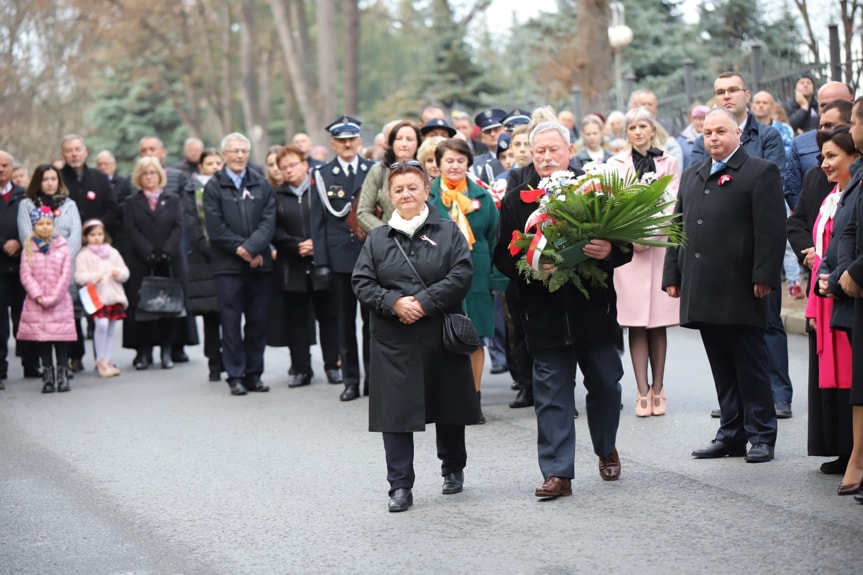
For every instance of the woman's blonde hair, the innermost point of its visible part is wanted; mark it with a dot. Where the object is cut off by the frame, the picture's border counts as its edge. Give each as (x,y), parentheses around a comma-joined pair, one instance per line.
(143,164)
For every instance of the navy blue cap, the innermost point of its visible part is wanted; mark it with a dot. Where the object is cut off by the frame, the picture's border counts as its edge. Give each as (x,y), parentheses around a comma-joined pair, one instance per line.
(491,118)
(503,143)
(515,118)
(437,124)
(345,127)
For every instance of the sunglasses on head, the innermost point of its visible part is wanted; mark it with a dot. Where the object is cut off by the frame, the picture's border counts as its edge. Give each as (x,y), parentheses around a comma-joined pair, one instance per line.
(407,164)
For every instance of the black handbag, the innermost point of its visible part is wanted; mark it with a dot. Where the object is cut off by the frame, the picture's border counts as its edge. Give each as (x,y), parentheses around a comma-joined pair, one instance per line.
(161,296)
(459,333)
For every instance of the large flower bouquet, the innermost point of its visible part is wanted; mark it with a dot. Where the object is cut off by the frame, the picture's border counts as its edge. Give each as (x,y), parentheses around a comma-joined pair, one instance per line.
(600,204)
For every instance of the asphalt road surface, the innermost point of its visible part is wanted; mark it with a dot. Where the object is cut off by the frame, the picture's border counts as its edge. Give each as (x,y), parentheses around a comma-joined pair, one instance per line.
(163,472)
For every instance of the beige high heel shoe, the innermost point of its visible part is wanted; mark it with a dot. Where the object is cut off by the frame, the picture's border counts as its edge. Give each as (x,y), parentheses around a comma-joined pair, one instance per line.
(657,406)
(643,403)
(103,369)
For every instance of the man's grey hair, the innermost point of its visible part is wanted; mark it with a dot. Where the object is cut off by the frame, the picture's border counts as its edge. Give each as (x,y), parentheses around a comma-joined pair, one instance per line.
(71,137)
(193,142)
(548,127)
(232,137)
(110,155)
(721,110)
(158,139)
(459,115)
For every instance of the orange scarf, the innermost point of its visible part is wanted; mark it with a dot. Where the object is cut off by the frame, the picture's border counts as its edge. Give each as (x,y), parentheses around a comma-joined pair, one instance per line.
(454,196)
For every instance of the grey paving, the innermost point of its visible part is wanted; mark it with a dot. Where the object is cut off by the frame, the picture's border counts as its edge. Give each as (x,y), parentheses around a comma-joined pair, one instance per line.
(164,472)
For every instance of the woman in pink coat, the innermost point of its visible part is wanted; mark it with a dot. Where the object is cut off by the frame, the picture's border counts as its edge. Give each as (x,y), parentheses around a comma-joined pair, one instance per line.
(642,306)
(47,316)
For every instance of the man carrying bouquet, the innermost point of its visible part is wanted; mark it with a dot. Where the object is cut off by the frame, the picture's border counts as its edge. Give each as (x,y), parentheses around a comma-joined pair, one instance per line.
(564,327)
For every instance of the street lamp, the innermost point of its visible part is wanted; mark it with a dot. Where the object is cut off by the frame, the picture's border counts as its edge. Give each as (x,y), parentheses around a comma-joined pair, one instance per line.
(619,36)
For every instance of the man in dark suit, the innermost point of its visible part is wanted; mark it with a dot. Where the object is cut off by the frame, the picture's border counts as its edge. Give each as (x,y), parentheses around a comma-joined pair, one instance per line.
(733,214)
(335,185)
(240,214)
(92,193)
(565,330)
(122,188)
(11,291)
(763,142)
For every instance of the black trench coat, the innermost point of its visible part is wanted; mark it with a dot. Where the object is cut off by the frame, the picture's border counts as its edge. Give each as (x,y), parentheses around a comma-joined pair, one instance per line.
(414,380)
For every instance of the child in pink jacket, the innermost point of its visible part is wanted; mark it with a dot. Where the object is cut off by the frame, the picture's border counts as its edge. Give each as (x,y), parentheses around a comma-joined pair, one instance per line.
(103,266)
(47,316)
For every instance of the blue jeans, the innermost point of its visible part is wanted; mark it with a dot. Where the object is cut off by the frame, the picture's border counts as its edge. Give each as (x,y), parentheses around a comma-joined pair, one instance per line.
(553,387)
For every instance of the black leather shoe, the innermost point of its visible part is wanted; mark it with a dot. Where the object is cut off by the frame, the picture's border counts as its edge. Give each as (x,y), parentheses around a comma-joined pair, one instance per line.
(255,384)
(236,387)
(215,376)
(453,483)
(142,361)
(717,449)
(300,380)
(400,500)
(759,453)
(334,376)
(179,356)
(835,467)
(716,414)
(515,386)
(351,392)
(859,498)
(76,365)
(495,369)
(783,410)
(523,399)
(167,362)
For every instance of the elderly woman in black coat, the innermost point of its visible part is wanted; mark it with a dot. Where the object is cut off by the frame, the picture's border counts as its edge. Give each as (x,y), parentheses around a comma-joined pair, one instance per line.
(297,289)
(153,219)
(414,379)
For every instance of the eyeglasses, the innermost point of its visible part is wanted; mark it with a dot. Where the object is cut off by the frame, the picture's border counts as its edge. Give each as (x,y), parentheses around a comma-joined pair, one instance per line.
(149,173)
(730,91)
(407,164)
(290,166)
(238,152)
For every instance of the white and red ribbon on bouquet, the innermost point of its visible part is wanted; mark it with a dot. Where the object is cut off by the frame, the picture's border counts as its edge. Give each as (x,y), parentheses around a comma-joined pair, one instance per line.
(534,225)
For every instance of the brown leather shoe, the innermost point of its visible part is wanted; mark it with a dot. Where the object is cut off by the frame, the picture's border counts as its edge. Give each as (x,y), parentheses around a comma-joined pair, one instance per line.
(609,467)
(555,487)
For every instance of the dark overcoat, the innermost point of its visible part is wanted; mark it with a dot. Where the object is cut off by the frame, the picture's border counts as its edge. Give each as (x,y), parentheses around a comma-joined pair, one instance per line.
(291,271)
(735,238)
(336,247)
(234,218)
(153,231)
(414,380)
(201,292)
(564,317)
(93,195)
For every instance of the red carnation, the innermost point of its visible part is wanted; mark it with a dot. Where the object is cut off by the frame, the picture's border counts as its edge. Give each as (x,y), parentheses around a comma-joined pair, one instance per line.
(514,250)
(531,196)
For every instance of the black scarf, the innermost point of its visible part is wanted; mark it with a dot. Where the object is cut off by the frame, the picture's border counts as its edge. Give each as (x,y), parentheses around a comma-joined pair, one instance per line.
(644,164)
(53,202)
